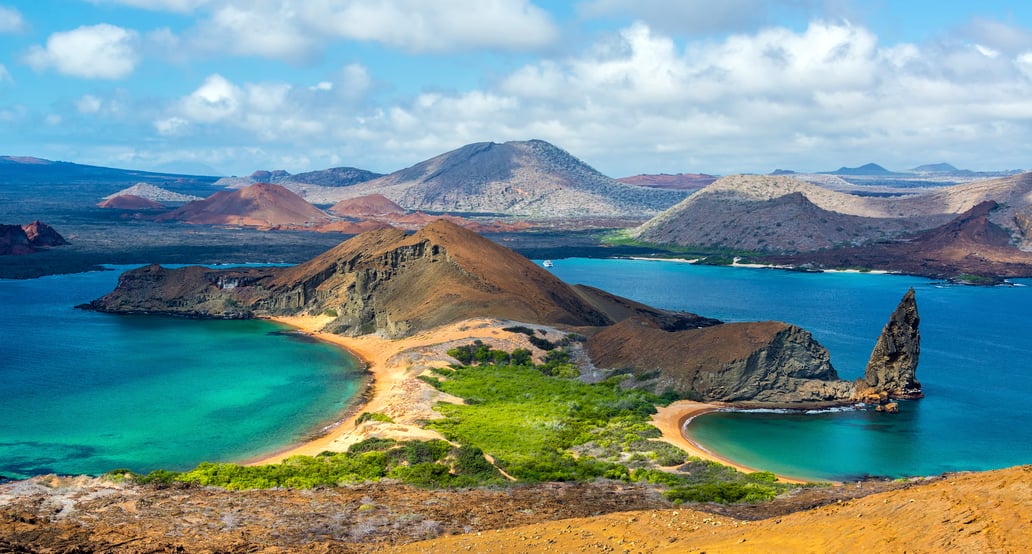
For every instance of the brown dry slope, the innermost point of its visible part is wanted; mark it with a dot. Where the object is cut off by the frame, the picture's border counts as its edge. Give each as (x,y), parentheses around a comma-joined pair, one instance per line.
(259,205)
(973,512)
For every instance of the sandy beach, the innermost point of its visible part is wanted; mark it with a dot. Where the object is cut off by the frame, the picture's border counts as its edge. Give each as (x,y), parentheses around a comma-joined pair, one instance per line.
(394,364)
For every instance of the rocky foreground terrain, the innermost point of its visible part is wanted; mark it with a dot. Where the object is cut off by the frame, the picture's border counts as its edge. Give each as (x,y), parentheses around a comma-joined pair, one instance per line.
(974,512)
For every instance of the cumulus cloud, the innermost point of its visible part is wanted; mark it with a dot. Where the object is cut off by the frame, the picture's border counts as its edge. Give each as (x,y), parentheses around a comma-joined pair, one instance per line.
(745,102)
(93,52)
(296,31)
(11,20)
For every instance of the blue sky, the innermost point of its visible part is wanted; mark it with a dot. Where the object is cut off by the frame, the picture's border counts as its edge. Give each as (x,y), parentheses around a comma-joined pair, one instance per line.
(629,86)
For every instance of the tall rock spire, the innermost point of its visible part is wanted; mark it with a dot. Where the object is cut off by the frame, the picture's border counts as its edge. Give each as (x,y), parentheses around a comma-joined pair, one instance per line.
(891,370)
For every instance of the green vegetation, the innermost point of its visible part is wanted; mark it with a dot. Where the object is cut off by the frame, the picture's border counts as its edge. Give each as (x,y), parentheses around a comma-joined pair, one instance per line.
(433,463)
(707,255)
(536,422)
(373,416)
(971,279)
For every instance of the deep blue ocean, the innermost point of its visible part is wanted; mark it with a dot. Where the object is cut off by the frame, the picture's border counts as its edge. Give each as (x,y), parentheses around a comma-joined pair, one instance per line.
(975,366)
(85,392)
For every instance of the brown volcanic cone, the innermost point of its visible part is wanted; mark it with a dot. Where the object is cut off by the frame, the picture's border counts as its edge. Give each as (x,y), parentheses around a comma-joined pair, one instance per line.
(399,283)
(259,205)
(366,206)
(130,202)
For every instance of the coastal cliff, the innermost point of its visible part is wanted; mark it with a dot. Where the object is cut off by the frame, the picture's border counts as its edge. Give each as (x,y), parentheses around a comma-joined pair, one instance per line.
(755,362)
(394,284)
(761,362)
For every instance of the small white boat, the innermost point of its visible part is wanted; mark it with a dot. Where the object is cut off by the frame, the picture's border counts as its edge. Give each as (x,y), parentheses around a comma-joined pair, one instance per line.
(547,263)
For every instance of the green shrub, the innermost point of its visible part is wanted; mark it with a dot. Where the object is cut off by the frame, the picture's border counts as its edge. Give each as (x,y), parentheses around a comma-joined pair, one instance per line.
(373,416)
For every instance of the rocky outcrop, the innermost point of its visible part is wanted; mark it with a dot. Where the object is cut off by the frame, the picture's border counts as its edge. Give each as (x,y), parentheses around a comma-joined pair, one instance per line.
(26,239)
(892,369)
(760,362)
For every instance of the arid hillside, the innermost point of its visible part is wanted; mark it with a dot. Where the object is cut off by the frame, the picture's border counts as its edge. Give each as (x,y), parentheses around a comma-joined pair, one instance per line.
(780,214)
(529,178)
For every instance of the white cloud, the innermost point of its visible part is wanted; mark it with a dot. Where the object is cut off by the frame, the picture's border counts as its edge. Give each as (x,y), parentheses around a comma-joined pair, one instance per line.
(171,126)
(296,31)
(5,76)
(182,6)
(11,20)
(88,104)
(353,82)
(53,119)
(216,99)
(93,52)
(827,95)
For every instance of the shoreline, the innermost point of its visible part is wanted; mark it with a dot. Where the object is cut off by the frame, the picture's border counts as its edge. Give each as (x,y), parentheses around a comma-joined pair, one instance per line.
(672,419)
(695,261)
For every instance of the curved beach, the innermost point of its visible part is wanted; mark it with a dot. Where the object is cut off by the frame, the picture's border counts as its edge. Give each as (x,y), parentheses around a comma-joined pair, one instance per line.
(671,420)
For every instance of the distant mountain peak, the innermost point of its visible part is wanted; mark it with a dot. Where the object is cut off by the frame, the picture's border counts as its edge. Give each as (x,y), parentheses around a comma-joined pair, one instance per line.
(530,178)
(941,167)
(866,169)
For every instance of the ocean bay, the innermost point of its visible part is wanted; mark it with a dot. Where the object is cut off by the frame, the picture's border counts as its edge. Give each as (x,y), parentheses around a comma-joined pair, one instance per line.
(974,365)
(87,392)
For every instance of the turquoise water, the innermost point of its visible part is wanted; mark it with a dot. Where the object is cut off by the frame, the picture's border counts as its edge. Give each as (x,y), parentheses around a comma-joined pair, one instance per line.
(975,367)
(85,392)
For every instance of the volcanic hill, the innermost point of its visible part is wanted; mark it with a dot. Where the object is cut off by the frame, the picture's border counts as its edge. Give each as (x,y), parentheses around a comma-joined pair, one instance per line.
(152,193)
(969,244)
(526,178)
(259,205)
(130,202)
(366,206)
(786,215)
